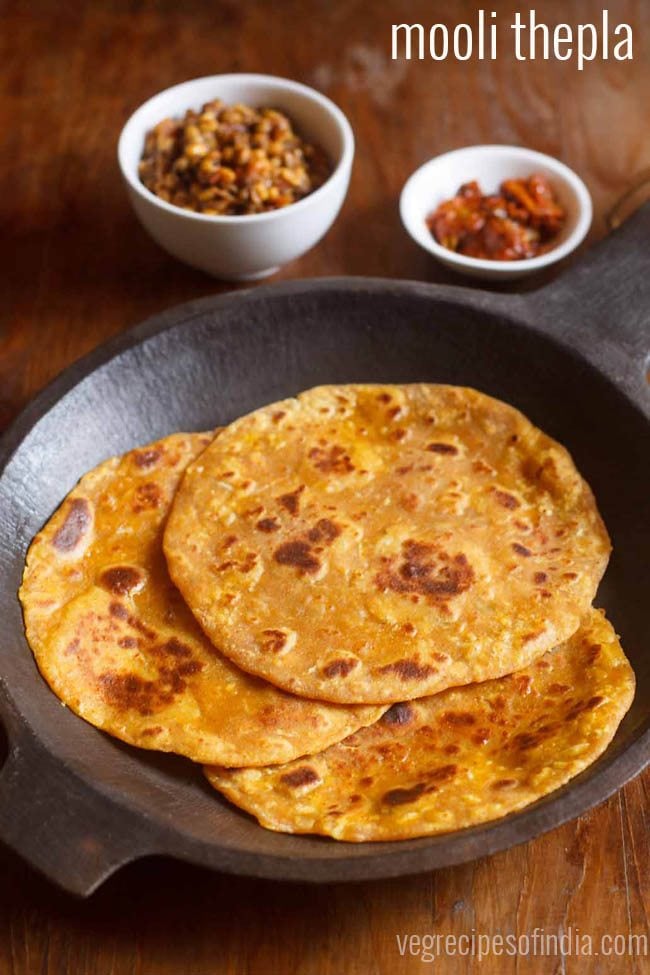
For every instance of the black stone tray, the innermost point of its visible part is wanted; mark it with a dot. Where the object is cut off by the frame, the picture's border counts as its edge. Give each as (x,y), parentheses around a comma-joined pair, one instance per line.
(76,803)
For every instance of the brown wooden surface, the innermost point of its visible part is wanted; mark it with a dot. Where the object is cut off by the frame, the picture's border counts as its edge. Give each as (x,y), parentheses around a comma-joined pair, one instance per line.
(77,269)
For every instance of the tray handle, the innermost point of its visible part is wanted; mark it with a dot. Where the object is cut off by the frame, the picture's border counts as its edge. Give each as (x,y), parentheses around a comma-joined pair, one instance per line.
(602,303)
(50,818)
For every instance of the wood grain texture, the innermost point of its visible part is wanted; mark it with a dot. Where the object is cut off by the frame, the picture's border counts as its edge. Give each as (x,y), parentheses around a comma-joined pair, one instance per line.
(78,269)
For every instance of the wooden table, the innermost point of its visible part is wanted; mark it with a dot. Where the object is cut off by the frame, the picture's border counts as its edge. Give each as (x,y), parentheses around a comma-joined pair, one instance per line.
(78,269)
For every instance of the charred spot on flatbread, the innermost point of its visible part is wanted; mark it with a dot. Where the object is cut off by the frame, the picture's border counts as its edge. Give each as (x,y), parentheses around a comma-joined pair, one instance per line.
(75,527)
(427,570)
(122,579)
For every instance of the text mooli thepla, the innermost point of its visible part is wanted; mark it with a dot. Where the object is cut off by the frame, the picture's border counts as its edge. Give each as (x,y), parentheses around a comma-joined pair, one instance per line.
(531,39)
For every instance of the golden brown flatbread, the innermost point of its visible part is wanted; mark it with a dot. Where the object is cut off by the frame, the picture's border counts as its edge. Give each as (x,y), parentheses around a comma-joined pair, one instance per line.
(114,640)
(466,756)
(381,543)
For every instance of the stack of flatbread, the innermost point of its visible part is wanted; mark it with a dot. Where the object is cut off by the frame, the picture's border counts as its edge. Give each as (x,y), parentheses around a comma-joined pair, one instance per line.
(366,610)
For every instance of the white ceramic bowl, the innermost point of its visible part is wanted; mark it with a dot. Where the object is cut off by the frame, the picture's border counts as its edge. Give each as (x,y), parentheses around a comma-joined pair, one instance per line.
(241,247)
(440,178)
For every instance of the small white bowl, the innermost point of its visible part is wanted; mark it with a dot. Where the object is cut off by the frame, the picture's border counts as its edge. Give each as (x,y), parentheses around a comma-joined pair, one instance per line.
(440,178)
(252,246)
